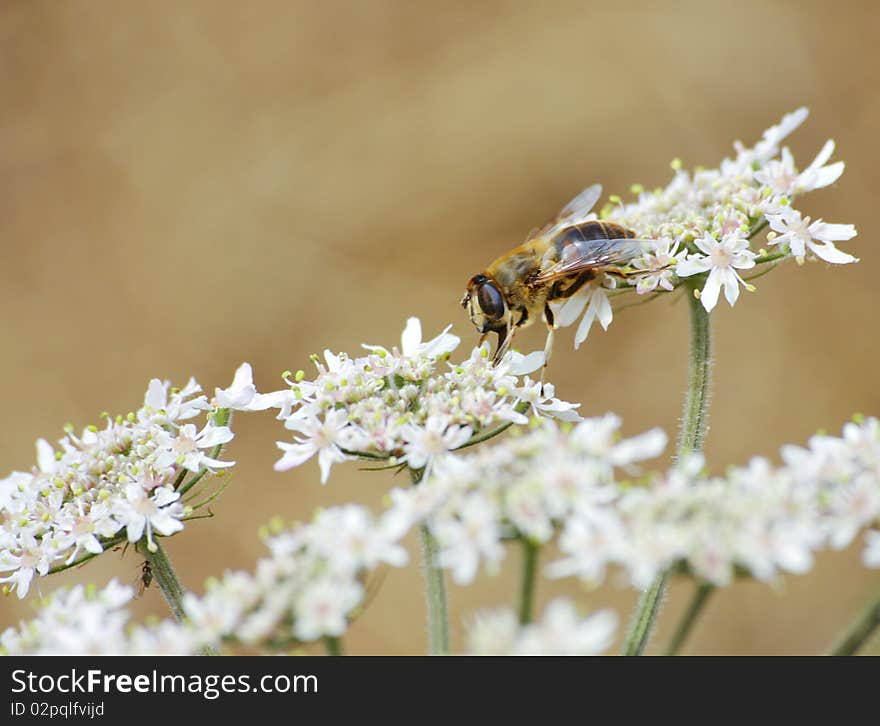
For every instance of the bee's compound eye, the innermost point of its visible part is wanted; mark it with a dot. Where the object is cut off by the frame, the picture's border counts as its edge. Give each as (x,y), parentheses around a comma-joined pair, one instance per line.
(491,301)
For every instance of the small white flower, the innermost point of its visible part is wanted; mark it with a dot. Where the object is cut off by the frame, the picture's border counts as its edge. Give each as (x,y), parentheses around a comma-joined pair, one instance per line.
(543,403)
(317,437)
(164,406)
(474,534)
(783,178)
(82,530)
(323,608)
(31,557)
(431,440)
(518,364)
(594,298)
(493,632)
(411,345)
(527,511)
(242,395)
(185,449)
(659,265)
(349,537)
(769,144)
(590,541)
(871,553)
(819,237)
(141,511)
(722,260)
(561,631)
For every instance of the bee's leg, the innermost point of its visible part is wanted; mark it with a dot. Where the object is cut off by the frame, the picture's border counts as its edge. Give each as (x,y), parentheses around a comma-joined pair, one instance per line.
(504,346)
(501,347)
(560,292)
(482,339)
(548,346)
(505,338)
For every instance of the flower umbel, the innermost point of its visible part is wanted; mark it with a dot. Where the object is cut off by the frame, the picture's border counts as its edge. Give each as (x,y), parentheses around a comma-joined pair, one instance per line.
(709,221)
(409,406)
(561,631)
(105,485)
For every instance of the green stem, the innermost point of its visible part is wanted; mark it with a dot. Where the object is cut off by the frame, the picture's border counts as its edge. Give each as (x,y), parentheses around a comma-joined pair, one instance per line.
(164,574)
(527,586)
(107,544)
(772,257)
(642,622)
(435,586)
(690,440)
(435,595)
(696,404)
(221,417)
(479,438)
(859,631)
(333,646)
(686,624)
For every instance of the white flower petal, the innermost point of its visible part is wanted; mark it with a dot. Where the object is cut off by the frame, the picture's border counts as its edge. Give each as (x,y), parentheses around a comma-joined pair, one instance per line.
(571,309)
(830,253)
(694,265)
(709,293)
(411,338)
(825,232)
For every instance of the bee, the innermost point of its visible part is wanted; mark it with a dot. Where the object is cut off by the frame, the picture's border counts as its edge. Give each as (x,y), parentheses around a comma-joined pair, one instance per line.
(553,264)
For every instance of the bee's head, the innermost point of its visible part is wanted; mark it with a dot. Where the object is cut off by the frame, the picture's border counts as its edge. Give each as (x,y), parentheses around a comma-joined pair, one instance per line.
(485,305)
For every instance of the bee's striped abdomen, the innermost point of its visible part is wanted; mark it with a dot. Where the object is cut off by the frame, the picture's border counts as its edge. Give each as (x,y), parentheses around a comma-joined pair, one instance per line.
(588,232)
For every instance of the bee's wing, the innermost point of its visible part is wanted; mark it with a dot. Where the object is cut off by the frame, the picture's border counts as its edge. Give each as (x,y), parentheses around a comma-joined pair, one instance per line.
(573,213)
(582,255)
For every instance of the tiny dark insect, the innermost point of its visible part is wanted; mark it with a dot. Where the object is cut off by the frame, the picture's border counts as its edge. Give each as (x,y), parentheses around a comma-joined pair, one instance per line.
(145,579)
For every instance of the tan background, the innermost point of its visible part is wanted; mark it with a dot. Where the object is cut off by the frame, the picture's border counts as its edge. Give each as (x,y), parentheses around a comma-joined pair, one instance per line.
(189,185)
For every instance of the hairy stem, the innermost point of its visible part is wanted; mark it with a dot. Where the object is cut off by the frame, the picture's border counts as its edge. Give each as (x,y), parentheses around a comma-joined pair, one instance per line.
(696,403)
(435,595)
(686,624)
(333,645)
(435,587)
(690,440)
(642,621)
(164,574)
(527,584)
(859,631)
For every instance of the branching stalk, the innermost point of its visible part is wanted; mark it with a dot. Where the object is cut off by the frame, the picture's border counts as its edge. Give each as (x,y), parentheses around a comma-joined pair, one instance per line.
(527,584)
(859,631)
(164,574)
(686,624)
(333,646)
(690,440)
(435,586)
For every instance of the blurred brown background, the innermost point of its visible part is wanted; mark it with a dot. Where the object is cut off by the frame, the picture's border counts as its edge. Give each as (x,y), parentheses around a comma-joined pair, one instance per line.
(186,185)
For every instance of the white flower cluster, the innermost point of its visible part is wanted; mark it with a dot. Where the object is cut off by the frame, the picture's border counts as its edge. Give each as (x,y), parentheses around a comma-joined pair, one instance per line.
(410,405)
(525,487)
(561,631)
(84,621)
(309,587)
(128,475)
(756,520)
(707,221)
